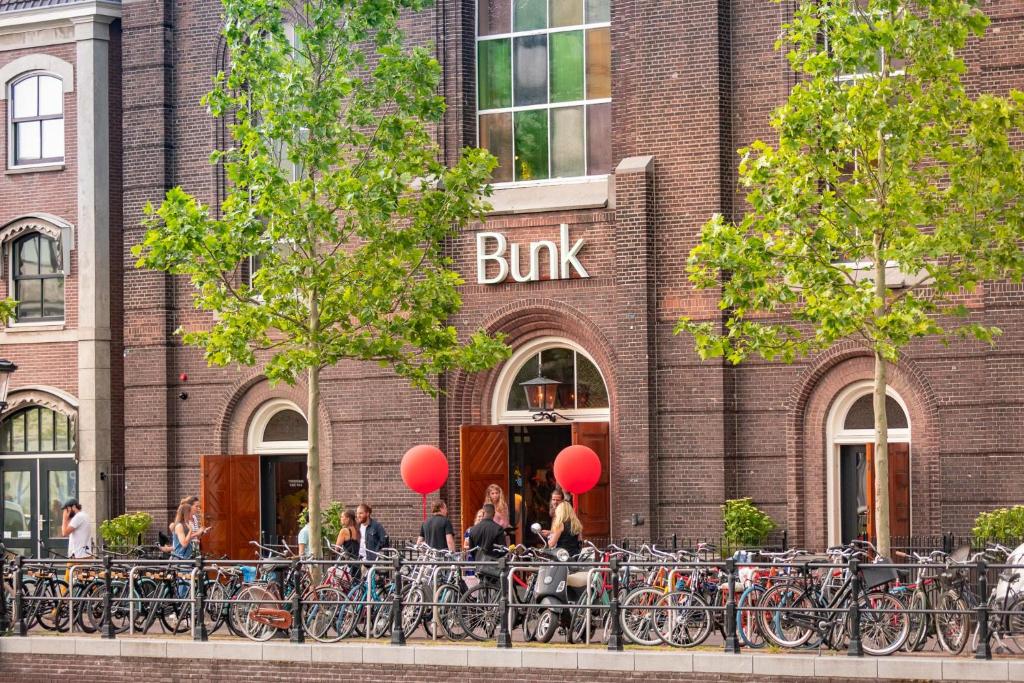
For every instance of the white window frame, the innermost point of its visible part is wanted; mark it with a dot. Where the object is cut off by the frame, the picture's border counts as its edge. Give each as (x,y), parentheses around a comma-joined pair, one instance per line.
(12,155)
(258,424)
(511,36)
(837,436)
(16,322)
(511,368)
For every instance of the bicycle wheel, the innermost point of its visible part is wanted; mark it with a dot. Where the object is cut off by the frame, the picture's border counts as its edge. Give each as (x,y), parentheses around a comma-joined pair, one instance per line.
(51,605)
(412,610)
(145,611)
(353,614)
(479,612)
(884,625)
(250,600)
(215,607)
(953,622)
(448,612)
(1013,623)
(784,621)
(176,617)
(686,622)
(919,623)
(637,615)
(321,621)
(747,627)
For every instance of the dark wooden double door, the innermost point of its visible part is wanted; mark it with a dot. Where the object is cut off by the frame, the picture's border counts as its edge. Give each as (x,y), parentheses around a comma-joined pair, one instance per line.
(508,456)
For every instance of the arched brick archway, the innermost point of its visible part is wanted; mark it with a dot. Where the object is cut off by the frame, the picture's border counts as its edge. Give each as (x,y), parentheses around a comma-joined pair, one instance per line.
(806,435)
(468,398)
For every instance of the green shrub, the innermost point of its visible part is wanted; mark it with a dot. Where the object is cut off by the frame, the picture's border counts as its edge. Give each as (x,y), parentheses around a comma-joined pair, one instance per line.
(125,530)
(330,520)
(999,526)
(745,525)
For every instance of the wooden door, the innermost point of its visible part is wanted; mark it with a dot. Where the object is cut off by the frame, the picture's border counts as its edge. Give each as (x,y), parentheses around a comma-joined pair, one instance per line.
(483,460)
(899,490)
(229,491)
(594,507)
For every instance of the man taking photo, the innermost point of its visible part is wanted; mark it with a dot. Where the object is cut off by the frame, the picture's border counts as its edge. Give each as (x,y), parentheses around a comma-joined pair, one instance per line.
(77,526)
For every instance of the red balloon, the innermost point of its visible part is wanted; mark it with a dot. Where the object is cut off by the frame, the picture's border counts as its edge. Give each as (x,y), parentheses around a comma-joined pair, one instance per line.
(424,469)
(577,469)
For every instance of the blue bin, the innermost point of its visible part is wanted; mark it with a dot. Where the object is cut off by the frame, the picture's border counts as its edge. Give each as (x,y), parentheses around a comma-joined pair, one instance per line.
(248,573)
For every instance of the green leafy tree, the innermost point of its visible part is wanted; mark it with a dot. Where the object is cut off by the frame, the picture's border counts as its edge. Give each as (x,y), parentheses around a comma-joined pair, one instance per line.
(889,198)
(338,198)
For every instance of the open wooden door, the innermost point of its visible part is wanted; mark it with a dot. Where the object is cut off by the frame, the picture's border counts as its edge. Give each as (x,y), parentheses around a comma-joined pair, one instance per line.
(229,492)
(483,460)
(594,507)
(899,490)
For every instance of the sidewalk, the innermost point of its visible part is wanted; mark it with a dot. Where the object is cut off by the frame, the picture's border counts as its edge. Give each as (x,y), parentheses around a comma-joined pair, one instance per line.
(699,665)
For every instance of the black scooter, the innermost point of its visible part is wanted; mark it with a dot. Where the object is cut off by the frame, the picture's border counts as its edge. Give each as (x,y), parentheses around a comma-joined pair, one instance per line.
(556,589)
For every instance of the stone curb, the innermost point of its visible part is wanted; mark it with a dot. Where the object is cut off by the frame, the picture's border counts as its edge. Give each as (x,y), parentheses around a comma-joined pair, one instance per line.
(749,663)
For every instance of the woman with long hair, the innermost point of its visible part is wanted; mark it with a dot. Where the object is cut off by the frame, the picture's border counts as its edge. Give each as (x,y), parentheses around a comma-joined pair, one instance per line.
(181,533)
(496,497)
(566,530)
(348,536)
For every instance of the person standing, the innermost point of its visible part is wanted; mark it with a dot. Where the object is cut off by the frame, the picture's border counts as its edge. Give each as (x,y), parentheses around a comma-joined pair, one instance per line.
(437,531)
(566,530)
(77,526)
(496,497)
(487,534)
(348,535)
(372,536)
(182,534)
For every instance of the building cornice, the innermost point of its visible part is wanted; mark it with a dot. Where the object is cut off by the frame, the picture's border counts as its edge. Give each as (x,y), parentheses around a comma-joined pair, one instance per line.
(16,21)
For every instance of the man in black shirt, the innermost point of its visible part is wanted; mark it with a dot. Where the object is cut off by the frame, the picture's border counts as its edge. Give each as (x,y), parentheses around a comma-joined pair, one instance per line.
(437,531)
(486,535)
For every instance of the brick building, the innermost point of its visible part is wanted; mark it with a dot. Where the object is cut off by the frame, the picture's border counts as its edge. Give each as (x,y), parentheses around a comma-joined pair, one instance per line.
(616,124)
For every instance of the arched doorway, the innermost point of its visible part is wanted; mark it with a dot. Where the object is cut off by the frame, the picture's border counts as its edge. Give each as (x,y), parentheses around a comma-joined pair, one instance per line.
(278,434)
(850,464)
(517,451)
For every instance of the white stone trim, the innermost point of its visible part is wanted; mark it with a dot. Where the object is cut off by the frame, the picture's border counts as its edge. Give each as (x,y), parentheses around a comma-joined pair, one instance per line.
(510,369)
(254,440)
(589,193)
(55,399)
(44,223)
(37,63)
(60,15)
(836,437)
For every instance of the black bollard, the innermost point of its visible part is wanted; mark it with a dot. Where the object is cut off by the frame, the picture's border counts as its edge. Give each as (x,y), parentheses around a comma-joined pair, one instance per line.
(397,632)
(732,643)
(615,628)
(504,637)
(298,634)
(200,634)
(984,650)
(108,602)
(19,598)
(856,649)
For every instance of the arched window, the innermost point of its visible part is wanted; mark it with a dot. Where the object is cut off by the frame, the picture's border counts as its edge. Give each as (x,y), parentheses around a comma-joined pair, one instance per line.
(544,87)
(581,392)
(37,278)
(278,427)
(37,120)
(36,429)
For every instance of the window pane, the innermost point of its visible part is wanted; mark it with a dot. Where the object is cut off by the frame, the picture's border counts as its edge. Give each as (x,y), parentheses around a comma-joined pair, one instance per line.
(531,69)
(28,140)
(598,11)
(517,395)
(53,139)
(63,485)
(17,504)
(32,430)
(566,66)
(599,139)
(29,294)
(496,137)
(557,364)
(53,297)
(495,73)
(18,434)
(590,389)
(567,142)
(862,414)
(51,96)
(46,427)
(493,17)
(532,145)
(566,12)
(286,425)
(530,15)
(26,261)
(62,441)
(26,98)
(599,63)
(48,255)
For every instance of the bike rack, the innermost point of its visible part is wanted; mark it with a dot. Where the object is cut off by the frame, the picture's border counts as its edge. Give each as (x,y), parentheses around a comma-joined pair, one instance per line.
(131,600)
(192,599)
(71,602)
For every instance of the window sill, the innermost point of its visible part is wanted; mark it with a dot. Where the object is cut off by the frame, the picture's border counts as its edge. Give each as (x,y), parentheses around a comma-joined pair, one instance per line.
(593,193)
(37,168)
(37,333)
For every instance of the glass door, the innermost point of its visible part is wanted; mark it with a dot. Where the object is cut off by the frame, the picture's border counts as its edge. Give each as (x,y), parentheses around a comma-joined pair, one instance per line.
(21,529)
(58,481)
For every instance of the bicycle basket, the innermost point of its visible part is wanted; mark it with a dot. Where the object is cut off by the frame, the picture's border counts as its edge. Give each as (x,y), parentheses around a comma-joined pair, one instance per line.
(961,553)
(248,573)
(877,576)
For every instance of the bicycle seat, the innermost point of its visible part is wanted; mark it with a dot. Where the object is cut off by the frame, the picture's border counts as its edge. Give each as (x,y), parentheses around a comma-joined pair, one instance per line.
(576,580)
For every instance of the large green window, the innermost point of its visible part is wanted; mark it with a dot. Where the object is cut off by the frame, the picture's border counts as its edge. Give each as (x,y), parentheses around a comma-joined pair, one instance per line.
(544,87)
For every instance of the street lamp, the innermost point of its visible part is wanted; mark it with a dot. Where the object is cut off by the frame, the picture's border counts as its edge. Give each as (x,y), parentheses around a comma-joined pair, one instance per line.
(7,369)
(541,393)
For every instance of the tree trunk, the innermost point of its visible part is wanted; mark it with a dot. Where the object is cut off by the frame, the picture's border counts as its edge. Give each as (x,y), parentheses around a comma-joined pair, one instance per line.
(313,462)
(881,424)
